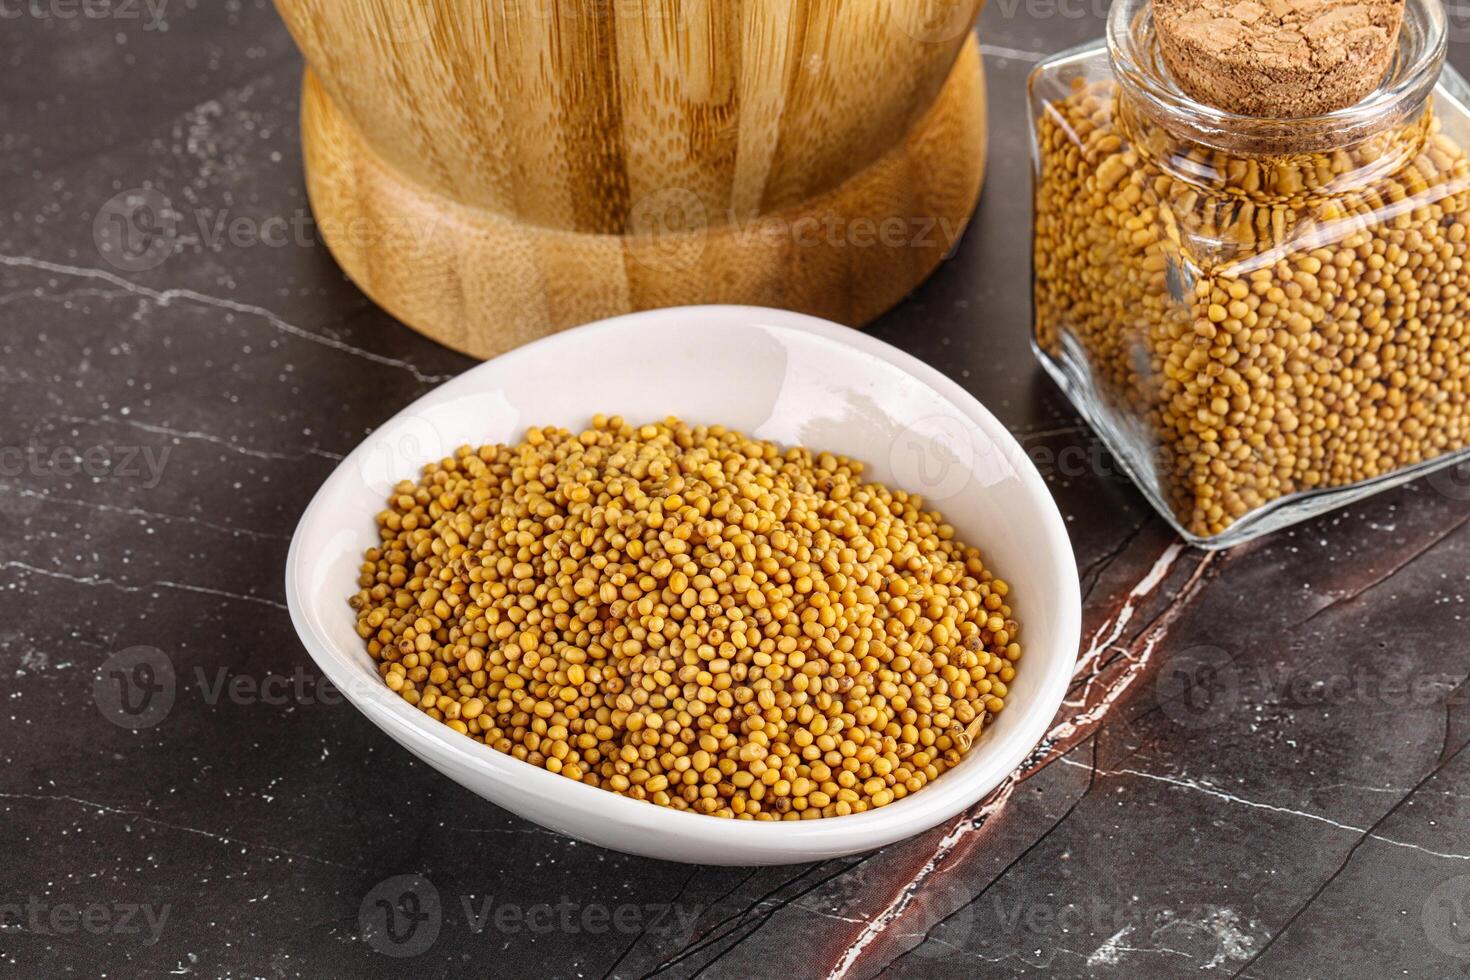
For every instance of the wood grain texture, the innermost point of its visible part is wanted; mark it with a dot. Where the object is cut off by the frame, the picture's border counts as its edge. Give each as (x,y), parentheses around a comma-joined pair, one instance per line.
(491,172)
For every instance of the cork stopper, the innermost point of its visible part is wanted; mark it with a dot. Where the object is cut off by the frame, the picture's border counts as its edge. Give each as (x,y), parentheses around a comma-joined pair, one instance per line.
(1279,59)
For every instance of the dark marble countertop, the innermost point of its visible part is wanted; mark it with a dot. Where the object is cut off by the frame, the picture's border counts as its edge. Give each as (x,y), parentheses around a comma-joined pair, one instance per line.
(1261,771)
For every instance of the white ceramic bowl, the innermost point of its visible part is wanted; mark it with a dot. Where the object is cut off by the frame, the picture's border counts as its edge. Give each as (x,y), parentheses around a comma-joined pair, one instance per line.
(780,376)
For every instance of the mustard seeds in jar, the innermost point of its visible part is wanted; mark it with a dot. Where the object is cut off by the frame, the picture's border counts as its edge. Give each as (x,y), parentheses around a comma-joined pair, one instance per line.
(688,616)
(1262,317)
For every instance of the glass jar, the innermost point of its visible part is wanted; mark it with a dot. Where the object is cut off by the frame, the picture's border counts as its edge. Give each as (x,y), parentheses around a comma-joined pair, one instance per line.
(1263,319)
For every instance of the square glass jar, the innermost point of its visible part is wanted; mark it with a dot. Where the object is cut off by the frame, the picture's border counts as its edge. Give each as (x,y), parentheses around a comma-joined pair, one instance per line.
(1263,319)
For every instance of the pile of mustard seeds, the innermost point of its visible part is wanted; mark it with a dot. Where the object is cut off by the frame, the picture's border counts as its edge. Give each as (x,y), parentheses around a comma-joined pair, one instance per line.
(1282,325)
(688,616)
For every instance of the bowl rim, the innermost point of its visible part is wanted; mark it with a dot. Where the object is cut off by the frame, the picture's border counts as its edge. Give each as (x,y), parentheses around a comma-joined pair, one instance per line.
(913,814)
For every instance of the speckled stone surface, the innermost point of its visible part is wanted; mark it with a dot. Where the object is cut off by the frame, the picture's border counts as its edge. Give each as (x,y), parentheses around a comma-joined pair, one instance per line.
(1261,771)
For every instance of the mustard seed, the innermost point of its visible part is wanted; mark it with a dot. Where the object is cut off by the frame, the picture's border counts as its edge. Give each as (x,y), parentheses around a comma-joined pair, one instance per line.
(1272,324)
(688,616)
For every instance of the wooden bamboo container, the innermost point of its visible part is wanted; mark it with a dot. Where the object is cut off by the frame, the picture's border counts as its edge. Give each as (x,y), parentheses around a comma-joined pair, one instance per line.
(491,171)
